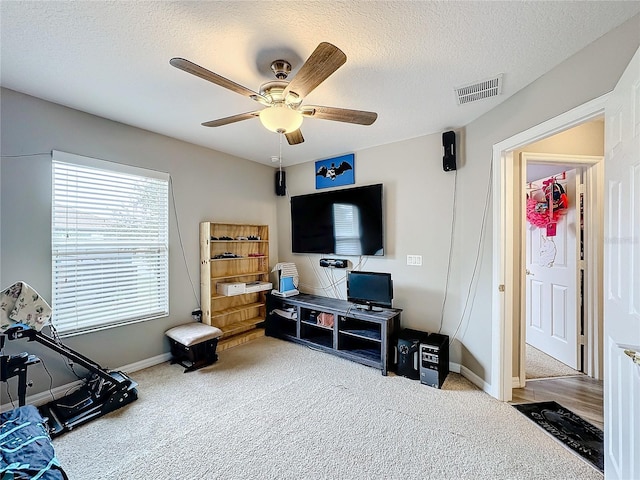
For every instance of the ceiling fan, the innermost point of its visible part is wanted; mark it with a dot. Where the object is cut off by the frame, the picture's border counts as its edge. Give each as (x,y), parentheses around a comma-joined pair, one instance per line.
(282,99)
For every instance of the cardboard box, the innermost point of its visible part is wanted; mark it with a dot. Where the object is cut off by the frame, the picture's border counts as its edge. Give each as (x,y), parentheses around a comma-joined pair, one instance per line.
(230,289)
(253,287)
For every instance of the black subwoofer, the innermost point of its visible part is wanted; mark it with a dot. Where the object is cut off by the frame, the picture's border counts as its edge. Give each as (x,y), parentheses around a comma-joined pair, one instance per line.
(408,363)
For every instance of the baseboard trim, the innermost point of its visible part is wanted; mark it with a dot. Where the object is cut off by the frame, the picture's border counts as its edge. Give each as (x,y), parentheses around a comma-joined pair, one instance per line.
(149,362)
(475,379)
(42,398)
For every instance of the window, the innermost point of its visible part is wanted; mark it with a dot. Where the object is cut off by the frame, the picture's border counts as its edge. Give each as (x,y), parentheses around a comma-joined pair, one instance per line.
(110,238)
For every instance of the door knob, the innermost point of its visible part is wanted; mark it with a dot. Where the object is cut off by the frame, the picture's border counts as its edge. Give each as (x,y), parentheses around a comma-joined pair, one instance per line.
(635,356)
(528,272)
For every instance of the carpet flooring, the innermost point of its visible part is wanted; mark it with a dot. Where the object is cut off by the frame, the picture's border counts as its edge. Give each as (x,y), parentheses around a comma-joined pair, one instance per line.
(271,409)
(541,365)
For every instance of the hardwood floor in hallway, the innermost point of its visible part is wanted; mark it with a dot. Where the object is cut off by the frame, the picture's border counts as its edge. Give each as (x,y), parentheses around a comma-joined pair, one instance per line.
(581,394)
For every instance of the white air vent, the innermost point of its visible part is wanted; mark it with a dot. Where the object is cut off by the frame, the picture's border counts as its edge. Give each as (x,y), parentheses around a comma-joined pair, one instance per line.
(491,87)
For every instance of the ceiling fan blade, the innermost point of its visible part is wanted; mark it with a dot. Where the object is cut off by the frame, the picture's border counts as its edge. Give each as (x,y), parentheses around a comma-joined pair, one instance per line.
(232,119)
(339,114)
(294,137)
(324,60)
(198,71)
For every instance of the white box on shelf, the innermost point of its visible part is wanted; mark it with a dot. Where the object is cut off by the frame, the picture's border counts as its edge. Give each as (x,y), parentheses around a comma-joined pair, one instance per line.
(252,287)
(230,289)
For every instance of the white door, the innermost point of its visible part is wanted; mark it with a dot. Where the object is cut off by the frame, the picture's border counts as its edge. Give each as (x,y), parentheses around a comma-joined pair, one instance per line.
(622,276)
(552,280)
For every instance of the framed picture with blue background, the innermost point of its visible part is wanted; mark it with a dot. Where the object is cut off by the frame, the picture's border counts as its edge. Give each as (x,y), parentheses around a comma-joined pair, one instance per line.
(335,172)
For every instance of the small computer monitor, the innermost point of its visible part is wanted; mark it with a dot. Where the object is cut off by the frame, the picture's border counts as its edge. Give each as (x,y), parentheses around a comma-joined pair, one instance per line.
(369,290)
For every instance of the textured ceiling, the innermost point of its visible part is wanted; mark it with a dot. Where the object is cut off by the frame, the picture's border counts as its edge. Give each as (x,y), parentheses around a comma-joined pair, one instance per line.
(404,59)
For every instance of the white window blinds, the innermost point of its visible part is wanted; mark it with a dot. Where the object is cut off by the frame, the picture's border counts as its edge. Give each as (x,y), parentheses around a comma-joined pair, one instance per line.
(110,238)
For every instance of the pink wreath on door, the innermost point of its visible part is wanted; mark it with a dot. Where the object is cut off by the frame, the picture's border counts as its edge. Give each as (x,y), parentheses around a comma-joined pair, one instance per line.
(545,210)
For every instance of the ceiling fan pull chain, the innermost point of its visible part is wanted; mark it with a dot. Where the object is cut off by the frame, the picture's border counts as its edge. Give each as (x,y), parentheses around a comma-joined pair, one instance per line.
(280,135)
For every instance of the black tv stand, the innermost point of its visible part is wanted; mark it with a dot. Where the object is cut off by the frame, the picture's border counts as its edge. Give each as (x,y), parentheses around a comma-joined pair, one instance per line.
(363,335)
(368,308)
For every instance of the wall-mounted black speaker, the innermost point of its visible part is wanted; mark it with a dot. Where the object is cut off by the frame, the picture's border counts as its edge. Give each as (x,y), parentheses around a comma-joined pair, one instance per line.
(281,184)
(449,145)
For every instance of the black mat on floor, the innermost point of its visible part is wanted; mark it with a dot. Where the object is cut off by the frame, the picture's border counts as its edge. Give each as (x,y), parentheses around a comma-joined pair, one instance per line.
(575,432)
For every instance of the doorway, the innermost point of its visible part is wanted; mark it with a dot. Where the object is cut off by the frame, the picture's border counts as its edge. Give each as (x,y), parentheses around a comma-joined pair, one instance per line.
(508,272)
(586,339)
(564,317)
(553,239)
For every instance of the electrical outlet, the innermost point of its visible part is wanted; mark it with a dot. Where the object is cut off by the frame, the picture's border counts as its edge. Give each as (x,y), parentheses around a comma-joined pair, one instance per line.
(414,260)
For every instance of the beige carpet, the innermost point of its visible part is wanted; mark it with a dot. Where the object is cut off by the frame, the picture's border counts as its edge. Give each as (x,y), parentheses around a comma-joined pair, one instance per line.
(275,410)
(541,365)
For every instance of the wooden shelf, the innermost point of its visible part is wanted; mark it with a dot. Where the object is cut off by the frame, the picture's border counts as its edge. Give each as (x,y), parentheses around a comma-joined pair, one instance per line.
(239,339)
(248,274)
(228,311)
(366,334)
(238,316)
(231,259)
(322,340)
(316,325)
(239,241)
(217,296)
(239,327)
(369,355)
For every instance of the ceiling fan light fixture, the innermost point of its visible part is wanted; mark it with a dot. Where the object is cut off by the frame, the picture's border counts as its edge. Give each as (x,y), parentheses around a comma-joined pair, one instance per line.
(280,119)
(283,98)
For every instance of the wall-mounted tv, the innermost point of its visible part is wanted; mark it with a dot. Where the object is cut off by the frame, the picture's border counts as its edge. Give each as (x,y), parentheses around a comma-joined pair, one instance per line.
(340,222)
(369,290)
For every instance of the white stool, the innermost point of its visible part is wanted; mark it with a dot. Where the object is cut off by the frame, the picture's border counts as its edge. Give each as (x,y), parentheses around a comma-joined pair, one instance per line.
(193,345)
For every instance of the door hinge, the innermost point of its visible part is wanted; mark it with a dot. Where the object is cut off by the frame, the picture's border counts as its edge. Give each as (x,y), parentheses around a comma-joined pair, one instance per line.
(581,188)
(501,288)
(581,340)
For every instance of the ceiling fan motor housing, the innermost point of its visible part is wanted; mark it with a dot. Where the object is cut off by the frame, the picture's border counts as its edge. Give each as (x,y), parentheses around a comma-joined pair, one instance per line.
(281,69)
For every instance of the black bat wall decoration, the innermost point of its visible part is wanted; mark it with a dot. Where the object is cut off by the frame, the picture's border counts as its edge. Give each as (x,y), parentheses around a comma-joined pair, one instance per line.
(332,172)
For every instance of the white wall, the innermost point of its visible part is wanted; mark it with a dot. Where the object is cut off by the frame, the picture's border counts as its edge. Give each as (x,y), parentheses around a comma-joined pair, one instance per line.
(419,195)
(589,74)
(586,139)
(418,198)
(207,185)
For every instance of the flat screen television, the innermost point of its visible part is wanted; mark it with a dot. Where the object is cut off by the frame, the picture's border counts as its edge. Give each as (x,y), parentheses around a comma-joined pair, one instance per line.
(339,222)
(369,290)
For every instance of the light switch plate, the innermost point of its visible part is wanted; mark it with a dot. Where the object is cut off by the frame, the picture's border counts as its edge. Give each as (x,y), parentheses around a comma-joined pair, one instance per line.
(414,260)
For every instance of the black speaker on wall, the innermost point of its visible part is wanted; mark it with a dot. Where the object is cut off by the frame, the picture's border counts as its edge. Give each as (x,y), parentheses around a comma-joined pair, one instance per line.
(449,145)
(281,184)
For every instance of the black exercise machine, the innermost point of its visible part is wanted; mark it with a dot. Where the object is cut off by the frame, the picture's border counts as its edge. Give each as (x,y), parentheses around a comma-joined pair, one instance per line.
(103,391)
(16,365)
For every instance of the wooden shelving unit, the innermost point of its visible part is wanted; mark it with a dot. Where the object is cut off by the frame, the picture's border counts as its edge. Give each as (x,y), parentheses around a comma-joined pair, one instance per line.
(240,317)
